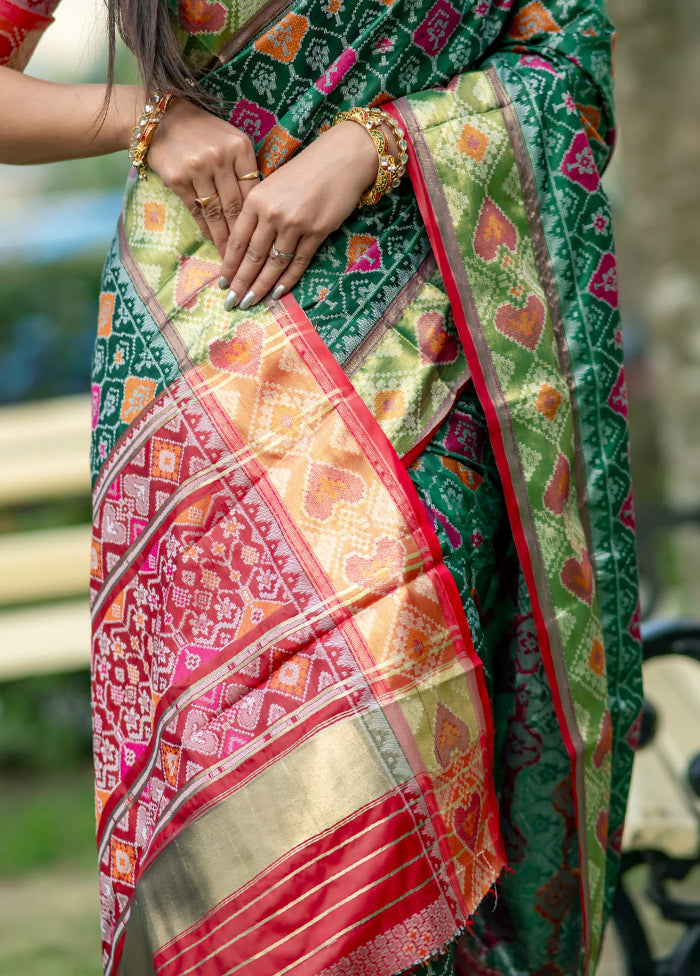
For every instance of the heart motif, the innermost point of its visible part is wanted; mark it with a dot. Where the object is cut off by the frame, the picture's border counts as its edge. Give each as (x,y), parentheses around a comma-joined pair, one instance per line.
(577,577)
(198,735)
(326,486)
(380,569)
(522,325)
(240,355)
(556,494)
(493,229)
(467,821)
(451,733)
(434,341)
(193,274)
(113,530)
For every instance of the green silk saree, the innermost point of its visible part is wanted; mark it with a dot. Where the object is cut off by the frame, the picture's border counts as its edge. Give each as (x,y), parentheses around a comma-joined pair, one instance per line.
(366,661)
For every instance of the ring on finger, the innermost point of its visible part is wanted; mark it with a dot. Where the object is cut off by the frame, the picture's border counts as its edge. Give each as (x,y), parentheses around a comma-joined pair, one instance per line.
(254,175)
(202,202)
(282,255)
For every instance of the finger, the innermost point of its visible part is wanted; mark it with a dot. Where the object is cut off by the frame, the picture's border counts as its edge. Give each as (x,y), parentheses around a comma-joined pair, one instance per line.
(279,257)
(236,249)
(188,197)
(254,260)
(306,248)
(212,213)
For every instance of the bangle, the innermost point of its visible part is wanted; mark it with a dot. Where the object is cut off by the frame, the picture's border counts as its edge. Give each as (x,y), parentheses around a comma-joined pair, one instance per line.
(389,170)
(152,115)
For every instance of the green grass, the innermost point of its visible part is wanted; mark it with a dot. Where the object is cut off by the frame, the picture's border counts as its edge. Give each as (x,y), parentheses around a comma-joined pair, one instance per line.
(46,820)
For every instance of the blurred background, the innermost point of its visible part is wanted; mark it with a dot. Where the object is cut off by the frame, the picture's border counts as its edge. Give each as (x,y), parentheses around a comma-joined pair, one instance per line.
(55,224)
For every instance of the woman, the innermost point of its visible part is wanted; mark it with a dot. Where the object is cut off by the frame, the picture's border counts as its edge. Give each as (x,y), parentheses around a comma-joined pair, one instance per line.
(363,566)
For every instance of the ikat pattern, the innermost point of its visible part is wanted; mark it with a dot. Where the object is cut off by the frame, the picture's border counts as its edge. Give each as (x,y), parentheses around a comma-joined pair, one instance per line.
(262,572)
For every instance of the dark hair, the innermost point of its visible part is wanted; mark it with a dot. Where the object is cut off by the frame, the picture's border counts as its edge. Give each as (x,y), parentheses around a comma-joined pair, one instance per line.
(147,30)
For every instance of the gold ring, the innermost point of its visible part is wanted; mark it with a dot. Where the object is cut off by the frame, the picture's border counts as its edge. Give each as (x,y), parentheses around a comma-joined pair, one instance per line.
(202,202)
(256,174)
(285,255)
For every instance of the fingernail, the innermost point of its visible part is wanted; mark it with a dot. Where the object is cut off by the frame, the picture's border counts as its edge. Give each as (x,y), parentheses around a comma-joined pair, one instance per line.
(247,300)
(223,282)
(279,291)
(231,300)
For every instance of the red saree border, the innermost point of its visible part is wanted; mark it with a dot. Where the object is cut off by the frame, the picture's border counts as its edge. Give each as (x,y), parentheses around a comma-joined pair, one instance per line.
(401,112)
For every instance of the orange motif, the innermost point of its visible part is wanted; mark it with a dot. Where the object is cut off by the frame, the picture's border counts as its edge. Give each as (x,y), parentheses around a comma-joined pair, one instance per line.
(388,404)
(590,119)
(123,861)
(277,146)
(291,677)
(357,246)
(138,393)
(96,560)
(115,612)
(450,733)
(255,612)
(154,215)
(577,577)
(473,142)
(283,41)
(533,19)
(105,314)
(556,493)
(380,99)
(195,514)
(548,401)
(468,476)
(171,762)
(166,458)
(596,659)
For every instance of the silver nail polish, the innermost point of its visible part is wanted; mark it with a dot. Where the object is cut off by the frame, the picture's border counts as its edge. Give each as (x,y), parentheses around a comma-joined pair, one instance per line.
(223,283)
(247,300)
(231,300)
(279,291)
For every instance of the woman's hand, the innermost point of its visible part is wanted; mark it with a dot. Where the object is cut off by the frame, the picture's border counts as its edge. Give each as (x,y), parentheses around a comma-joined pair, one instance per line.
(196,155)
(286,217)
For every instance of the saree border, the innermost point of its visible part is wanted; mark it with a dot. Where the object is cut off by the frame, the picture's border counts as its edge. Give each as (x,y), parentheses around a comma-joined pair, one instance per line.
(433,207)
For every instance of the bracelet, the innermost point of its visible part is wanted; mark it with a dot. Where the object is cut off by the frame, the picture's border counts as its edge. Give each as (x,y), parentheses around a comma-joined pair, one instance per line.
(390,170)
(152,115)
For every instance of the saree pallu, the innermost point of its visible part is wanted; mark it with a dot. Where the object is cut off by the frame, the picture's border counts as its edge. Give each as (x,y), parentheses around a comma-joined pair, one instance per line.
(363,581)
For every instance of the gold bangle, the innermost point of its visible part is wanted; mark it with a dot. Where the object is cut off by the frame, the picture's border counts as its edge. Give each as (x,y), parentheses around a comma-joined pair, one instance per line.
(144,130)
(389,168)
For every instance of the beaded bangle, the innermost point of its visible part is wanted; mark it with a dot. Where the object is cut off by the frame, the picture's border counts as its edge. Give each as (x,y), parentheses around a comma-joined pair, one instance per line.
(390,170)
(151,117)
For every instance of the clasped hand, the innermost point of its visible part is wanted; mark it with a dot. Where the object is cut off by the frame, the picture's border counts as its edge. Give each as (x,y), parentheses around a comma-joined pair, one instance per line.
(266,232)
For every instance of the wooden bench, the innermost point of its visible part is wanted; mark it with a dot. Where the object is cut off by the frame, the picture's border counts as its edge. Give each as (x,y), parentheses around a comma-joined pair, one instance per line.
(662,829)
(44,617)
